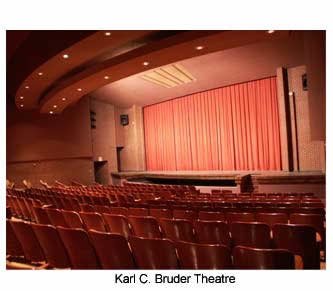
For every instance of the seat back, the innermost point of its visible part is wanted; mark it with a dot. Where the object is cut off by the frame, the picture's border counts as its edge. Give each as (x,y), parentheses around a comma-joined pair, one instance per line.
(56,217)
(28,240)
(119,210)
(251,234)
(13,245)
(203,256)
(145,226)
(210,215)
(212,232)
(73,219)
(160,213)
(300,240)
(252,258)
(314,220)
(93,221)
(79,248)
(178,229)
(112,250)
(102,209)
(239,217)
(138,211)
(41,215)
(52,245)
(154,253)
(118,224)
(272,218)
(185,214)
(85,207)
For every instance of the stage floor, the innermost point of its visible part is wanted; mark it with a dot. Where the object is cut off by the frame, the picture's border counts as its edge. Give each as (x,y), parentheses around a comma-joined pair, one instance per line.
(237,181)
(218,173)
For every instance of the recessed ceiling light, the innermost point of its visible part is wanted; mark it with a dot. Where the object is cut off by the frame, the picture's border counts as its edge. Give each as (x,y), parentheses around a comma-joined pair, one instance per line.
(106,77)
(21,105)
(79,89)
(26,87)
(270,31)
(145,63)
(40,74)
(51,112)
(63,99)
(199,47)
(21,97)
(55,106)
(65,56)
(107,33)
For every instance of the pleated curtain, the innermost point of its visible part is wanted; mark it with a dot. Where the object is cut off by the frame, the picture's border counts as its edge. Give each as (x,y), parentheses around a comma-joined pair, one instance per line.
(229,128)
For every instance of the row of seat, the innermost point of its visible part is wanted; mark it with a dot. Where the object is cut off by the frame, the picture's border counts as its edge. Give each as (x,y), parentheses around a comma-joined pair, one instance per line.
(71,218)
(23,207)
(253,234)
(64,247)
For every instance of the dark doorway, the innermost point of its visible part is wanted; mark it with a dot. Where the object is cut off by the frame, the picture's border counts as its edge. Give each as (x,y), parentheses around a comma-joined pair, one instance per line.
(118,158)
(101,172)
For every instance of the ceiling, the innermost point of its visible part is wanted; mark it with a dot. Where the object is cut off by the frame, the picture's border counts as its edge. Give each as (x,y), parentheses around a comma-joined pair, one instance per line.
(49,71)
(212,70)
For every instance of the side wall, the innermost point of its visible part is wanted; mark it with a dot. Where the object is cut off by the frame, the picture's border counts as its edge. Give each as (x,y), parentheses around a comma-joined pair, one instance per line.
(49,147)
(131,138)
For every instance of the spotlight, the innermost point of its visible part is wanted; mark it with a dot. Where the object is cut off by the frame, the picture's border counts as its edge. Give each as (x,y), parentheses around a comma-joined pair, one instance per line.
(199,47)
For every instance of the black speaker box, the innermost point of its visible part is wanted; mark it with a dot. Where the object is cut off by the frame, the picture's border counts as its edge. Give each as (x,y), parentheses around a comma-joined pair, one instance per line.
(124,119)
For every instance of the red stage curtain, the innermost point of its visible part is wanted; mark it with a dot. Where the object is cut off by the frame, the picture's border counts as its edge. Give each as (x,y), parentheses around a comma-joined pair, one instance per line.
(229,128)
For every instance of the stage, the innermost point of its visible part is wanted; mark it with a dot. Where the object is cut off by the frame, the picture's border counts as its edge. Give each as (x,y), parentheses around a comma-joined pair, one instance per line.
(237,181)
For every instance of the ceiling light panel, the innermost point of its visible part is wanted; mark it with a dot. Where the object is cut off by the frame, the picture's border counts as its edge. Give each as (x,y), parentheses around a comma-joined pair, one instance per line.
(169,76)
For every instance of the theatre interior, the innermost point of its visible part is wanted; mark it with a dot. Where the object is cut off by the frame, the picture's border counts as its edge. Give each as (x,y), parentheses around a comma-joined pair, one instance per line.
(165,149)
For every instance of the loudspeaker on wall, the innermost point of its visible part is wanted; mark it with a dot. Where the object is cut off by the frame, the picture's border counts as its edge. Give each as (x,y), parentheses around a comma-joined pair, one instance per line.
(124,119)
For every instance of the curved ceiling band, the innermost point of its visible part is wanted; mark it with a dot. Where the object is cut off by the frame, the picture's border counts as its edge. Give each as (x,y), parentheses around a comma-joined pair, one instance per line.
(60,95)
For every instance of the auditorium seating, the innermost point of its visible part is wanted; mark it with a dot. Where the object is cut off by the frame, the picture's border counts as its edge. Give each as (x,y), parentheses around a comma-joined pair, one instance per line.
(145,226)
(118,224)
(30,245)
(81,252)
(112,250)
(212,232)
(203,256)
(186,222)
(154,253)
(93,221)
(52,245)
(13,245)
(300,240)
(56,217)
(178,229)
(72,219)
(251,234)
(254,258)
